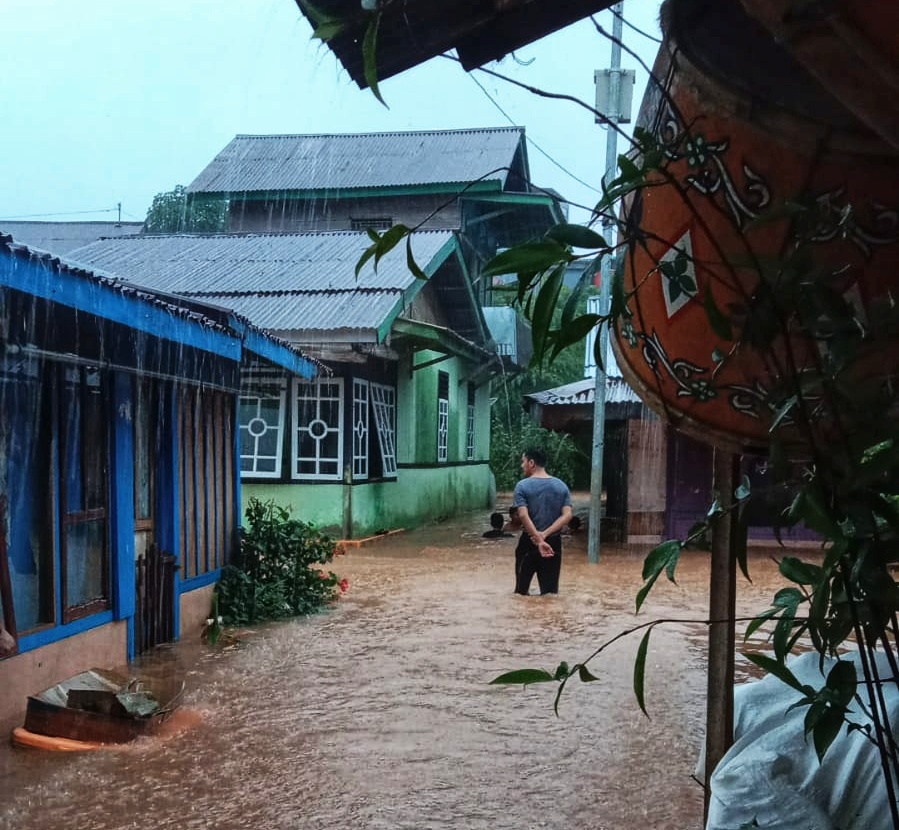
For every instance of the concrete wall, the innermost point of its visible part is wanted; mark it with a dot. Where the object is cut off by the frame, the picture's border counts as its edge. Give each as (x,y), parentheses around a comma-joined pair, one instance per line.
(31,672)
(418,496)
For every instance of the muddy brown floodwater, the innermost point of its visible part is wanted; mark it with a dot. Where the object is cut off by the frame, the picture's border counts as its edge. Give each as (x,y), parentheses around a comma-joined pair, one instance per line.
(379,712)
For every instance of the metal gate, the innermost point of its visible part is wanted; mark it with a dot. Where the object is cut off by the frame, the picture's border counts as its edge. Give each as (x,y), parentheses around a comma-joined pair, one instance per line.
(154,618)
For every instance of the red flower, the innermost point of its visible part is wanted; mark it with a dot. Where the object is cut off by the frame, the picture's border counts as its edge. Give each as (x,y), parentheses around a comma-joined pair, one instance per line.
(343,585)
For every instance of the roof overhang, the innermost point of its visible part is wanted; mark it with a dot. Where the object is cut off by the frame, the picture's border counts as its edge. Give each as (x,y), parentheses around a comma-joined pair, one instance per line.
(447,342)
(414,31)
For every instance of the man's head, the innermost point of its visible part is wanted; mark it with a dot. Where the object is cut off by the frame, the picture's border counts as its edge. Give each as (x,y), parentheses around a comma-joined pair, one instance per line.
(532,459)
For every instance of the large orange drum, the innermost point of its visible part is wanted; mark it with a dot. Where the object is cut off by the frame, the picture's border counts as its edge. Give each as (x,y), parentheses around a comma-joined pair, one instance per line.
(744,130)
(851,46)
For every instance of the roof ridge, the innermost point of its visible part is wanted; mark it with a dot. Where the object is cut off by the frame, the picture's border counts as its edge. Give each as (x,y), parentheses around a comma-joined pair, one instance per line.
(450,131)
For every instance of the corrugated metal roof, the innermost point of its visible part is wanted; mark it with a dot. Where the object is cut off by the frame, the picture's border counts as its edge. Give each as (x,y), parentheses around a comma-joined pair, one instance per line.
(285,282)
(350,161)
(583,392)
(62,237)
(63,266)
(349,311)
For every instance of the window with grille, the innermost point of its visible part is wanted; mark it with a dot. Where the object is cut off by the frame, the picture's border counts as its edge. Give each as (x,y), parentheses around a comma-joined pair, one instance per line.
(360,428)
(377,223)
(469,426)
(383,400)
(317,446)
(442,415)
(261,423)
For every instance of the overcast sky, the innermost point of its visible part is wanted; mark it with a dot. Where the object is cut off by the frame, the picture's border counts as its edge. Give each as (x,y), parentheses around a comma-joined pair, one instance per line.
(107,102)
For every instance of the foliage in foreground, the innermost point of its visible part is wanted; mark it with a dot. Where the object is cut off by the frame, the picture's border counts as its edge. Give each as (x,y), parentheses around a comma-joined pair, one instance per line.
(277,573)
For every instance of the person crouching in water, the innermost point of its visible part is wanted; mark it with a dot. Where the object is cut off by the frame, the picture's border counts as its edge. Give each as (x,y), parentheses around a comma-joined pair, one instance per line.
(544,508)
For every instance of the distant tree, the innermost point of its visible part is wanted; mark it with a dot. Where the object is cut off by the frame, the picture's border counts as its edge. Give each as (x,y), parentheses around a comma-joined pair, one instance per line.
(174,212)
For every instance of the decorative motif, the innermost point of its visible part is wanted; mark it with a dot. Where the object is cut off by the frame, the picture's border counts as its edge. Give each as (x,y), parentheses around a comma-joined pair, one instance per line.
(711,176)
(697,382)
(678,272)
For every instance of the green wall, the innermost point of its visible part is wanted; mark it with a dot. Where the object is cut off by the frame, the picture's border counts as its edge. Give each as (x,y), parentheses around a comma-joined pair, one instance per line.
(417,497)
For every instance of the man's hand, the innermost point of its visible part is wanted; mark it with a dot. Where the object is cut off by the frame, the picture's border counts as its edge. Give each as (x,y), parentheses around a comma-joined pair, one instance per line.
(545,549)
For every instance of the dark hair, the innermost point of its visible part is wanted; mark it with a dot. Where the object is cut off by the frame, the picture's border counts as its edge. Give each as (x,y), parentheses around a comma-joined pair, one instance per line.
(537,455)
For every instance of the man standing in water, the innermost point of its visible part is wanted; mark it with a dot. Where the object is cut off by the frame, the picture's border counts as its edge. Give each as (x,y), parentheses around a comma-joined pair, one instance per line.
(544,508)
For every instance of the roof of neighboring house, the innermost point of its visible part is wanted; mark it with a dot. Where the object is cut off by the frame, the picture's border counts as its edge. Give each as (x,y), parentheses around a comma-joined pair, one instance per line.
(583,392)
(61,237)
(262,163)
(207,316)
(414,31)
(293,283)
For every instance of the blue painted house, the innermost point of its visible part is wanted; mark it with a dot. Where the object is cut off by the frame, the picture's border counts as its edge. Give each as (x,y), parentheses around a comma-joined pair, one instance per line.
(119,480)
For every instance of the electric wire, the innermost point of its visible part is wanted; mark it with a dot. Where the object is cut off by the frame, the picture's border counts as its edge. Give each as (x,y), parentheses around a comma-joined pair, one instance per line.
(530,141)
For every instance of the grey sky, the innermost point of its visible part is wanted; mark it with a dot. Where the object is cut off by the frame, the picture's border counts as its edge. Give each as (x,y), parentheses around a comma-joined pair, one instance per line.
(107,102)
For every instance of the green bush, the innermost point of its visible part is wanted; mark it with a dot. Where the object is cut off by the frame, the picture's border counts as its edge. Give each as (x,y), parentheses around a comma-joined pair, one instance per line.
(276,574)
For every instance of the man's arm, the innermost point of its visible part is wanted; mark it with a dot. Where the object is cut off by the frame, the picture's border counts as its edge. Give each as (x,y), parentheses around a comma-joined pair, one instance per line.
(560,522)
(528,524)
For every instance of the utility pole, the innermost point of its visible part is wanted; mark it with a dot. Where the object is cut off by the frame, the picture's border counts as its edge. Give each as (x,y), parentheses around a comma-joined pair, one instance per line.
(614,88)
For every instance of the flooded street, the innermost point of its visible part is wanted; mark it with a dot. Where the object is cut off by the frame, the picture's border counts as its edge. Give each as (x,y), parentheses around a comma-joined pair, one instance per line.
(379,715)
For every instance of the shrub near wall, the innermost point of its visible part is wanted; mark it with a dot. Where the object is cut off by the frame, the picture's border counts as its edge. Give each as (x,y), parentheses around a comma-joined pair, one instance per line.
(277,573)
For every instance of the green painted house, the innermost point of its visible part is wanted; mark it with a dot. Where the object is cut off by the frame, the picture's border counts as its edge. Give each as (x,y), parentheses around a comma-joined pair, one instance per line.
(398,433)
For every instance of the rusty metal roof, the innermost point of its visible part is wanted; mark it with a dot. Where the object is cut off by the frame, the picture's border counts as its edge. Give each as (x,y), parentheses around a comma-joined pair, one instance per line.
(414,31)
(280,282)
(255,163)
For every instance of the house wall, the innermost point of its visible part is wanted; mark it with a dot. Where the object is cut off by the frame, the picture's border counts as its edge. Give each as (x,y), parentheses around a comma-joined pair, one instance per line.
(280,215)
(424,489)
(33,671)
(418,496)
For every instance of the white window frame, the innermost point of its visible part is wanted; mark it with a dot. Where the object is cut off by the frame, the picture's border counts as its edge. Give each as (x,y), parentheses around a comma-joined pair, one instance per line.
(383,400)
(253,389)
(328,429)
(361,405)
(442,430)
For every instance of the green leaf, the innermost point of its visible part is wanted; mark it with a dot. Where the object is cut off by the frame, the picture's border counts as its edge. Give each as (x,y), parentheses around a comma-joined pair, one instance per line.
(370,58)
(825,724)
(329,29)
(562,671)
(778,669)
(529,258)
(523,677)
(574,332)
(366,256)
(411,264)
(802,573)
(664,557)
(758,622)
(640,671)
(389,240)
(577,236)
(544,306)
(584,674)
(744,490)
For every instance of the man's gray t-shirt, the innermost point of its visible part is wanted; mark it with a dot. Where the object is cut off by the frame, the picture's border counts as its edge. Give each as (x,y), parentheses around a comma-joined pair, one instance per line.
(543,497)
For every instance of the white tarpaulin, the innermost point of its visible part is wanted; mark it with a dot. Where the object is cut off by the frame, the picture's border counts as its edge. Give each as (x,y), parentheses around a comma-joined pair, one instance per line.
(771,774)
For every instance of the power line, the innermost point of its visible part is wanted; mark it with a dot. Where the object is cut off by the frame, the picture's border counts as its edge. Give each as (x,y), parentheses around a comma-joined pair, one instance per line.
(58,213)
(530,141)
(630,25)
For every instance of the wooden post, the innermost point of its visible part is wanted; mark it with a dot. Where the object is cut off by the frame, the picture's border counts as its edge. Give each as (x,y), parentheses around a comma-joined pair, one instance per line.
(728,534)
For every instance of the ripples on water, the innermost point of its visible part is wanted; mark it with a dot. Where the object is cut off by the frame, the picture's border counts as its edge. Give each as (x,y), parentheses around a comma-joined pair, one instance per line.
(379,713)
